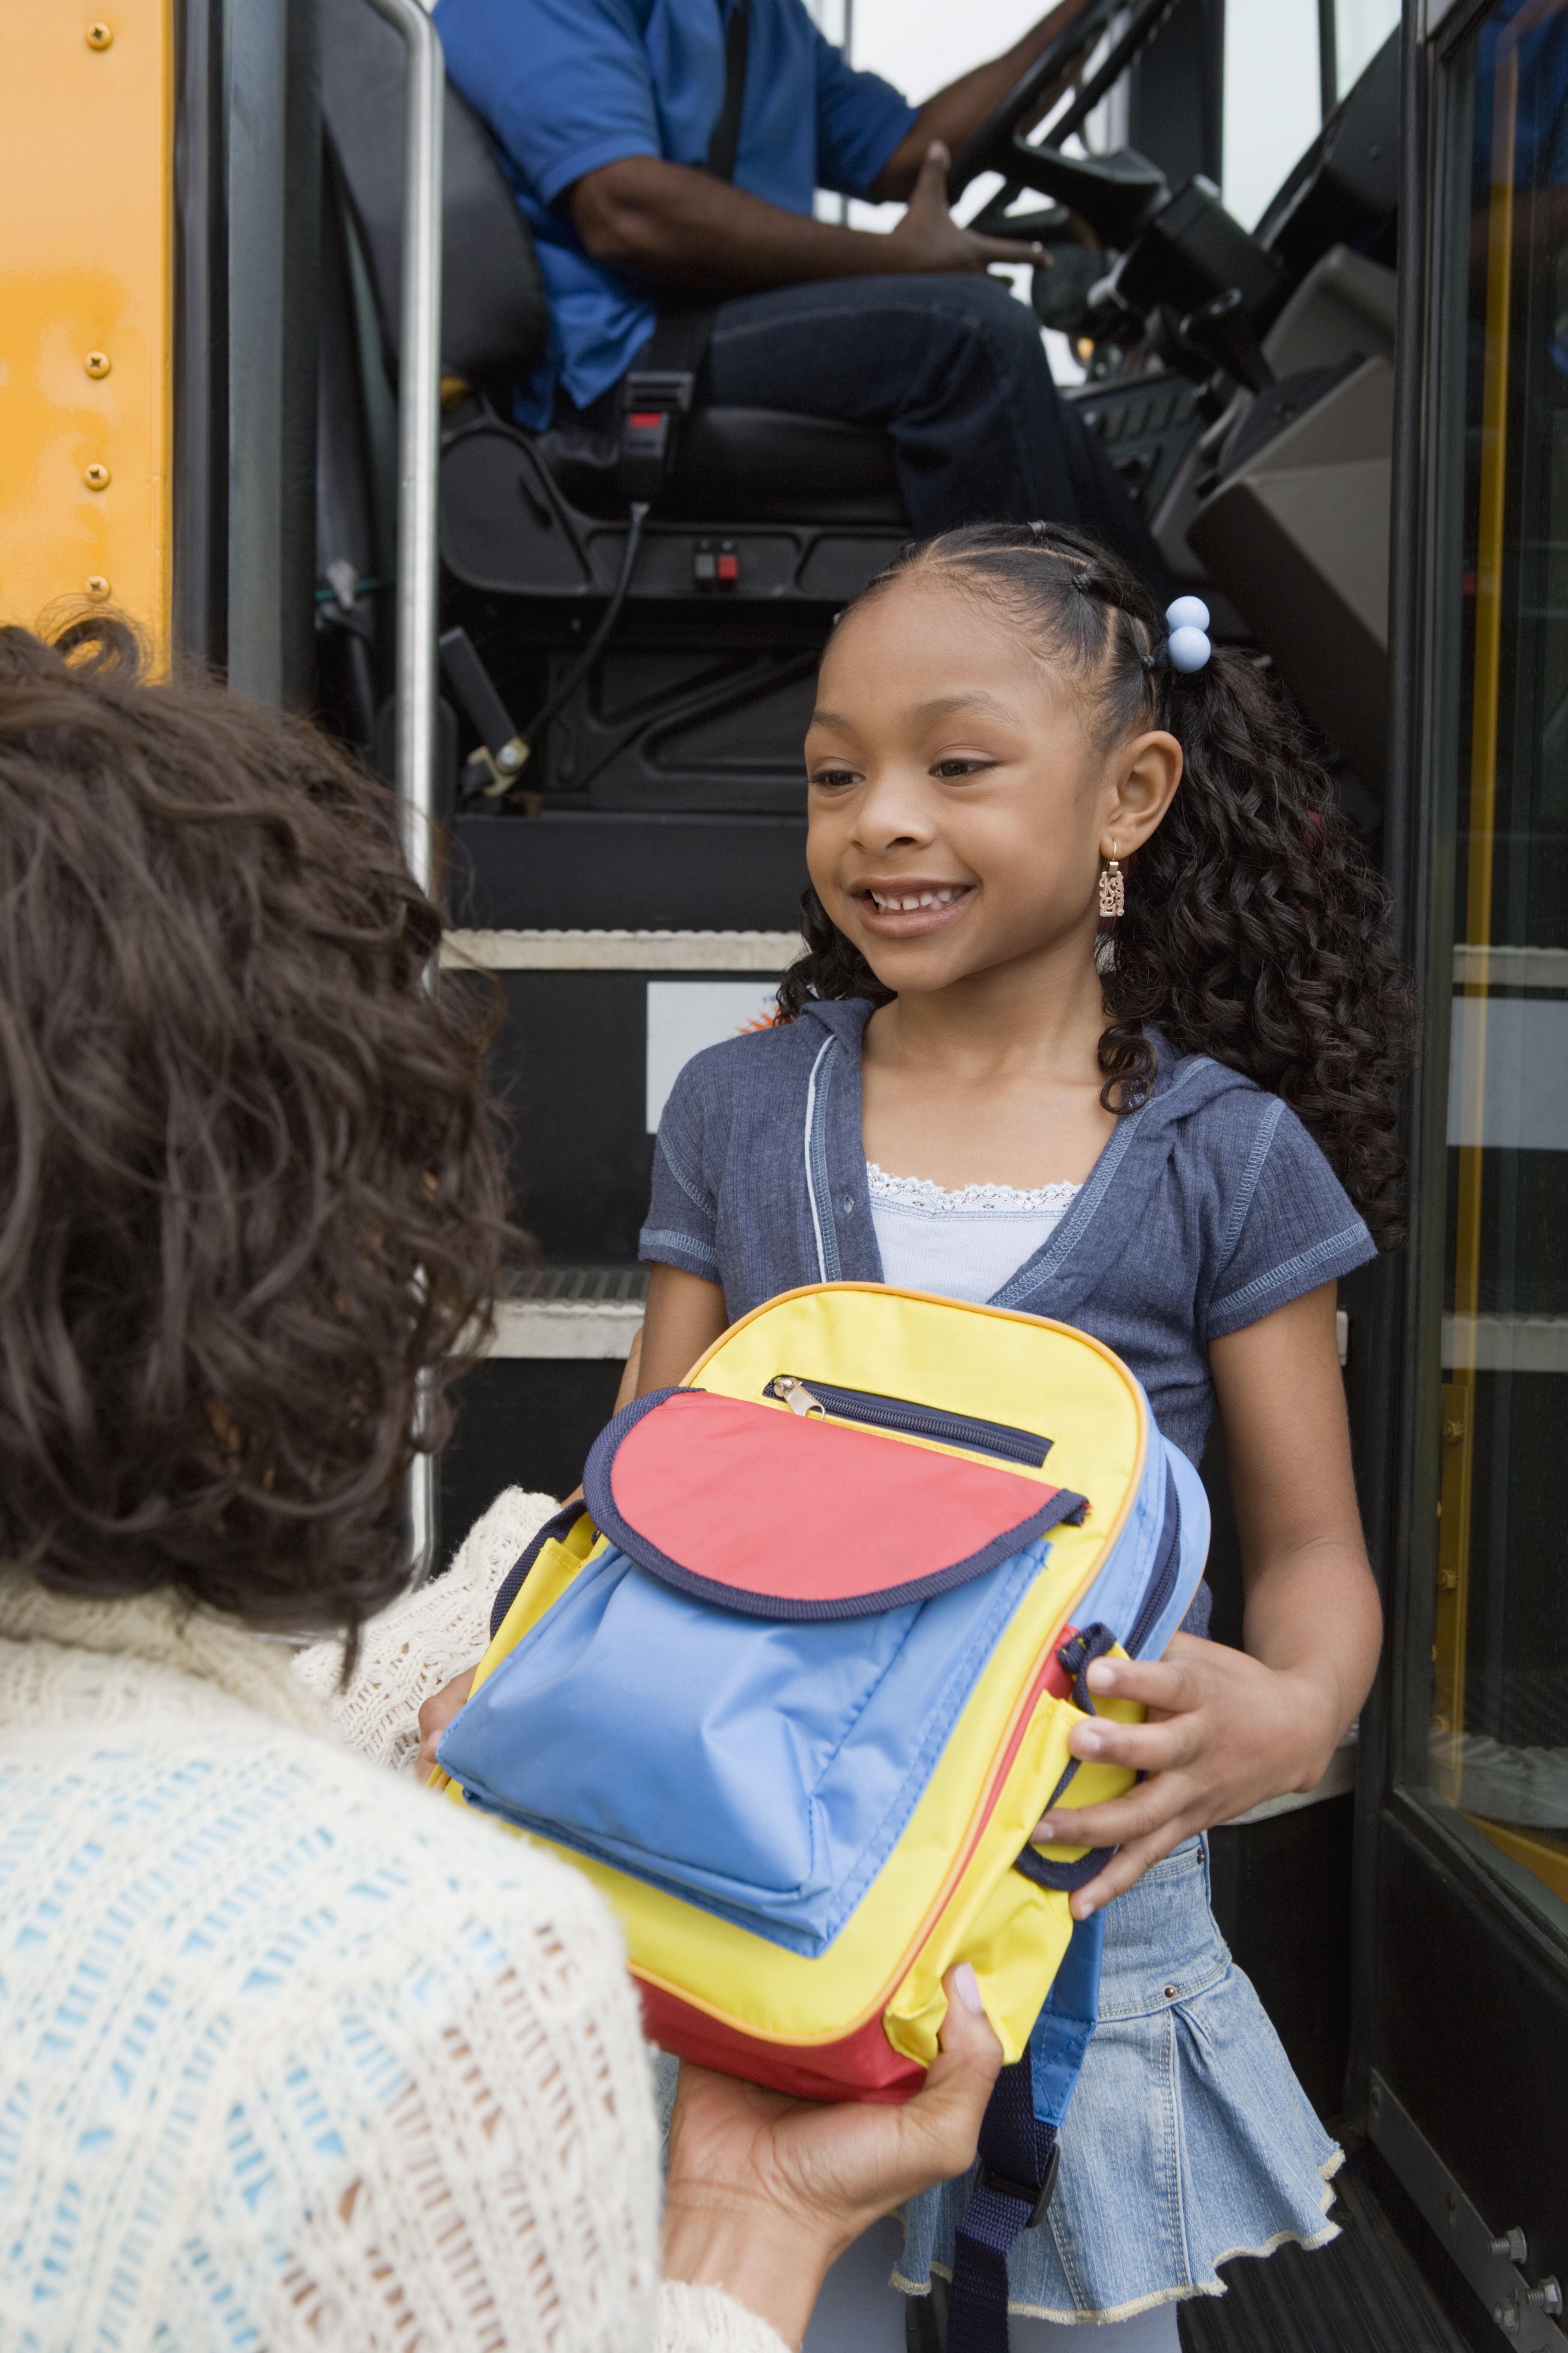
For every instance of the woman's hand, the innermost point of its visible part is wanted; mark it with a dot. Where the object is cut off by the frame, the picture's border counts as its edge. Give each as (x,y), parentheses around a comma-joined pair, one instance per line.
(1224,1733)
(764,2192)
(436,1713)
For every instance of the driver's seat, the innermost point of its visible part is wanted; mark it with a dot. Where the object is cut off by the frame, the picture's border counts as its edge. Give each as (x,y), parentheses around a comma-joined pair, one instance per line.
(765,526)
(761,465)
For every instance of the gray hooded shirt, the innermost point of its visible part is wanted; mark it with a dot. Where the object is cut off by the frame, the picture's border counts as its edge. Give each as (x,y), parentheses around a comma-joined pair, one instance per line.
(1209,1208)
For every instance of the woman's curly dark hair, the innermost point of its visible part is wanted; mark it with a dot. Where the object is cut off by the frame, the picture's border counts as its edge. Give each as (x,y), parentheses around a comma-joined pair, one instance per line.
(252,1203)
(1256,927)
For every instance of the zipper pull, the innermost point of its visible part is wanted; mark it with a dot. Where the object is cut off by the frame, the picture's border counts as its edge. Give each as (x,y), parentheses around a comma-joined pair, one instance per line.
(796,1395)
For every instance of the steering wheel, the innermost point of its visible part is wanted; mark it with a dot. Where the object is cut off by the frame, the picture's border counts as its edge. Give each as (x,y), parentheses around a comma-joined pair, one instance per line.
(1115,194)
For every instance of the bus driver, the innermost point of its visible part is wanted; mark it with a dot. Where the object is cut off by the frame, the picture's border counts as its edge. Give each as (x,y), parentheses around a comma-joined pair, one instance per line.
(604,111)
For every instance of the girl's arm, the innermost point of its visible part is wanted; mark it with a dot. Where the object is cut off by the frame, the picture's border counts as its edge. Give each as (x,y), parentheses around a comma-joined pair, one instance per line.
(685,1316)
(1229,1728)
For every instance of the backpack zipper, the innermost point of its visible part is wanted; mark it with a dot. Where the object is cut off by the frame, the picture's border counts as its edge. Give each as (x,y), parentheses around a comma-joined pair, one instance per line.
(817,1400)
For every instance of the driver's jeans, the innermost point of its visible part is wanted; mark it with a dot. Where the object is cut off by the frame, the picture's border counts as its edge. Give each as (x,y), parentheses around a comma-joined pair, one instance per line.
(953,368)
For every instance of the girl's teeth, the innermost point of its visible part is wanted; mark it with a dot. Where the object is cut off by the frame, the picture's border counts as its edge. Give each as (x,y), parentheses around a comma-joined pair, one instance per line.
(913,903)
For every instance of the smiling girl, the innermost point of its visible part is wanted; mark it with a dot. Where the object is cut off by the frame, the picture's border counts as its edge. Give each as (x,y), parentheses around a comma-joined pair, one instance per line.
(1099,1020)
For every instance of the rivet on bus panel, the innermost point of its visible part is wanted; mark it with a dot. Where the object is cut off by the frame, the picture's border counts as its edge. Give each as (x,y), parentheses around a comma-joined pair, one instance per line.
(97,363)
(96,478)
(100,35)
(97,586)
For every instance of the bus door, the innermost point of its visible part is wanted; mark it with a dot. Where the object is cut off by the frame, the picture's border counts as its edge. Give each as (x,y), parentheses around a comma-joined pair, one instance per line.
(1464,1967)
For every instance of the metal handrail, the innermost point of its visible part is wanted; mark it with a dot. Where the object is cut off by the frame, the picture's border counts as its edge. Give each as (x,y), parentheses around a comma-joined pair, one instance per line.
(418,462)
(418,428)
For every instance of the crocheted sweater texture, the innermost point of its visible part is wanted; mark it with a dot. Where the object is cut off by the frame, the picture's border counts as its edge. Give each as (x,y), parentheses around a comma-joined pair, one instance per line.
(294,2055)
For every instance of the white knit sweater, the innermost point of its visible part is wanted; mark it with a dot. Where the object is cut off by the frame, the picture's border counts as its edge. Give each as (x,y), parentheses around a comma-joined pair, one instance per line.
(293,2054)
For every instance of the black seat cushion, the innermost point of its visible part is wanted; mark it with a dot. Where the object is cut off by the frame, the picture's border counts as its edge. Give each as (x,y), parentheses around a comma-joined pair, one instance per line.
(494,318)
(745,465)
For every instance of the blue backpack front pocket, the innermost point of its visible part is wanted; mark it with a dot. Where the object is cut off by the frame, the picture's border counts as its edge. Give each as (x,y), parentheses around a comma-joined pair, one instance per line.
(763,1768)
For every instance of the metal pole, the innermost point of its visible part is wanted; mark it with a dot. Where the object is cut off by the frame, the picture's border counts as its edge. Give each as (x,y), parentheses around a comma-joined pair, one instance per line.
(418,429)
(418,462)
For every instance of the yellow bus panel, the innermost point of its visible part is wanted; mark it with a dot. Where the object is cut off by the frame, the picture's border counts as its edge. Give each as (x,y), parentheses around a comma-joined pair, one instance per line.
(86,308)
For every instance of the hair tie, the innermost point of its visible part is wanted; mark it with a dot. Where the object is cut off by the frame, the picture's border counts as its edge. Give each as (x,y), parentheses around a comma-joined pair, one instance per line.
(1187,647)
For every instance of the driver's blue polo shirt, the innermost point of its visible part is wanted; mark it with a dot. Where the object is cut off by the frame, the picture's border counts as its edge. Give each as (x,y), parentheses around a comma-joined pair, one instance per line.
(568,85)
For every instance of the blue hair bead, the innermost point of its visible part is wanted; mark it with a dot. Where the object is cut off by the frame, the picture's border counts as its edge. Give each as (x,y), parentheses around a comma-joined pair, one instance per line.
(1187,613)
(1187,649)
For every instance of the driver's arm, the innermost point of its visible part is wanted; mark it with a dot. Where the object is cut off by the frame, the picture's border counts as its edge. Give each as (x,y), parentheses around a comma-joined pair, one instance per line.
(670,224)
(673,226)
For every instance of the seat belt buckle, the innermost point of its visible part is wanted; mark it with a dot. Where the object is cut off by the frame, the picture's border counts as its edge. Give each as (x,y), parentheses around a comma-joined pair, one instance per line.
(1039,2204)
(653,400)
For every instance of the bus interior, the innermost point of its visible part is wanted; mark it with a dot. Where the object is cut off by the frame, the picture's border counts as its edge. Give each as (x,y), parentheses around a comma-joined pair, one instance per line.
(586,660)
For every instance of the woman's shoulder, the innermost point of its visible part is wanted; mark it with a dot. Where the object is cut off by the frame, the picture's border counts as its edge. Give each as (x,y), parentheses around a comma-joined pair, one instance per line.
(165,1753)
(397,2017)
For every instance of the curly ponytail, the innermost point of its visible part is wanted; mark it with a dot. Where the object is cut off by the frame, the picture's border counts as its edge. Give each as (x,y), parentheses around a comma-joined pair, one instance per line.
(1255,928)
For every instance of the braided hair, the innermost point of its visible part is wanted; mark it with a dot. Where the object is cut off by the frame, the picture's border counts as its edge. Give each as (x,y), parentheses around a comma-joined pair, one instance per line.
(1255,928)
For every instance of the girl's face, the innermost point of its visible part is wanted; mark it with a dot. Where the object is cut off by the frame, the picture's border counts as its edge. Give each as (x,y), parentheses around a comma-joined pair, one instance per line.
(959,806)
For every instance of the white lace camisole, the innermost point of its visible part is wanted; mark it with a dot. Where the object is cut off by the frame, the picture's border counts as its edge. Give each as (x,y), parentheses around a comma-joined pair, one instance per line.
(963,1244)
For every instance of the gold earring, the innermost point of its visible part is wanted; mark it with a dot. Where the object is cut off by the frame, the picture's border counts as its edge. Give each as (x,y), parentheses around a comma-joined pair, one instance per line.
(1113,891)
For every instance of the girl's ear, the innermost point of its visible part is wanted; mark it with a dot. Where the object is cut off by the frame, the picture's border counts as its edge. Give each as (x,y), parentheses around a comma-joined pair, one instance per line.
(1143,777)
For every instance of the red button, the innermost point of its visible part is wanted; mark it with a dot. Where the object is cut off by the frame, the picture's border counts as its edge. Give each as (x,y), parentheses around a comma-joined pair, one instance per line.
(729,567)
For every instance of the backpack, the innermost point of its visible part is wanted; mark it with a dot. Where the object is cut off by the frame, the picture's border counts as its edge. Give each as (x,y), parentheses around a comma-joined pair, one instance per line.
(795,1686)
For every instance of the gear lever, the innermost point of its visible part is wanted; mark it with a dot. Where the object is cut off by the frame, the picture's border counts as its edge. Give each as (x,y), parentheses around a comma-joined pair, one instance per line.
(1222,330)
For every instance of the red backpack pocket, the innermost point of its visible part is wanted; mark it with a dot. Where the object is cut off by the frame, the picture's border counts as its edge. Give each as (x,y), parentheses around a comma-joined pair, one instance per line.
(784,1514)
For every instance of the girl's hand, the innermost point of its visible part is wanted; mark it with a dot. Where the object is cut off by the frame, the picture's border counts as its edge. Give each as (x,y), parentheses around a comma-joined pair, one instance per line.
(1224,1733)
(764,2192)
(1228,1728)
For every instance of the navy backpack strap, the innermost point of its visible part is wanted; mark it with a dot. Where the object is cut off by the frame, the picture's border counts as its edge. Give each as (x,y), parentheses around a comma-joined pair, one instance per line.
(1017,2175)
(1077,1657)
(1019,2146)
(555,1529)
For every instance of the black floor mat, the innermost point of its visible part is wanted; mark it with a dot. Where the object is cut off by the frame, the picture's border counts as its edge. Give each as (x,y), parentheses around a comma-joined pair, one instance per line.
(1364,2293)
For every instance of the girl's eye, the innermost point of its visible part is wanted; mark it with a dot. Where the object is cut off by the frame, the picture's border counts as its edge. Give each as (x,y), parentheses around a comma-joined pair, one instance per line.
(950,768)
(835,779)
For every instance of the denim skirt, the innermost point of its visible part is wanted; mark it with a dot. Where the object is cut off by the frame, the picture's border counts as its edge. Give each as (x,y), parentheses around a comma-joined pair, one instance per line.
(1188,2141)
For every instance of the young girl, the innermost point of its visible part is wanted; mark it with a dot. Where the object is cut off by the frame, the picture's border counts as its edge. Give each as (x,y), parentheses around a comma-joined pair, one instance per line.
(1098,1021)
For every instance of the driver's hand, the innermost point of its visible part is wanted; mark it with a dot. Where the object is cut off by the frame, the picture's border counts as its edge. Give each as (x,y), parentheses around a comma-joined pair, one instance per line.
(929,238)
(764,2192)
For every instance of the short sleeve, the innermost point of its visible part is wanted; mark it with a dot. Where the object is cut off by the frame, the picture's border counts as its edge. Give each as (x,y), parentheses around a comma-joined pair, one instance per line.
(861,118)
(563,84)
(1289,1226)
(682,1226)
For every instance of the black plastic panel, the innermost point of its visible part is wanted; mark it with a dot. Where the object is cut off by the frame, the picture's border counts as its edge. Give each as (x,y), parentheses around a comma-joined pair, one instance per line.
(1472,2036)
(522,1421)
(1282,1898)
(571,1066)
(566,871)
(506,530)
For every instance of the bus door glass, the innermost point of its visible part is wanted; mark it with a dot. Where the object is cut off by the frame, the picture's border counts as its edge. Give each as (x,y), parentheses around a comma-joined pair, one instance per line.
(1465,1984)
(1497,1753)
